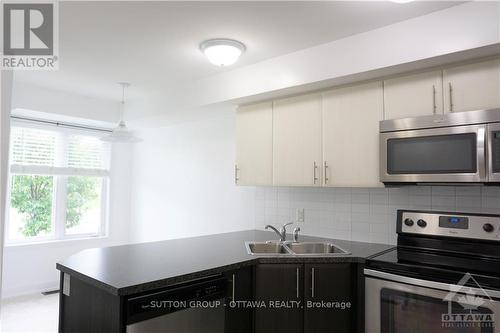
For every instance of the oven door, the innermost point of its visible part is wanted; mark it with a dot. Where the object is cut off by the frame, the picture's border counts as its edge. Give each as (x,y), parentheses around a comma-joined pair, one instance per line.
(449,154)
(398,304)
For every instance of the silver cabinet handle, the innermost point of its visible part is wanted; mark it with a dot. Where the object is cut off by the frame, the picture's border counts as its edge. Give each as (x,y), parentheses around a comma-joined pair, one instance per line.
(326,173)
(434,106)
(312,282)
(234,283)
(298,278)
(236,174)
(315,169)
(450,87)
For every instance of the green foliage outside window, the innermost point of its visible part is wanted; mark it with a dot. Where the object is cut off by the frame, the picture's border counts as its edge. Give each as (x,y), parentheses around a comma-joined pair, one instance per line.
(81,193)
(32,196)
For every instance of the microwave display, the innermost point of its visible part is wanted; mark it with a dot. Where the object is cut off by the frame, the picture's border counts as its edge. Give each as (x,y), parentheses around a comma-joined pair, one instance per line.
(437,154)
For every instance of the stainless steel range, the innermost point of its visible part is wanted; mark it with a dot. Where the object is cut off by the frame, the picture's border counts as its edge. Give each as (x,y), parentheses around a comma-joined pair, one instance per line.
(444,276)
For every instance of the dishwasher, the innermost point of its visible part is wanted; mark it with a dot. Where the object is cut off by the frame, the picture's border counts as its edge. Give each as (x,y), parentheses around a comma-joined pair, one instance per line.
(196,306)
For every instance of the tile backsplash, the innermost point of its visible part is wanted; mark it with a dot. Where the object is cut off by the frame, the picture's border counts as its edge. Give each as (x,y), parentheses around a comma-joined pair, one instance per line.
(365,214)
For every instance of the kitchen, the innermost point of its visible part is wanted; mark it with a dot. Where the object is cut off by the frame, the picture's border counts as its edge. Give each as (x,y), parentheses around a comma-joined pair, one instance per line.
(364,124)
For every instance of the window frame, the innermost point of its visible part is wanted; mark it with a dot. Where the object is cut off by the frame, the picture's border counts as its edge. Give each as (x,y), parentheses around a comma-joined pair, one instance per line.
(59,187)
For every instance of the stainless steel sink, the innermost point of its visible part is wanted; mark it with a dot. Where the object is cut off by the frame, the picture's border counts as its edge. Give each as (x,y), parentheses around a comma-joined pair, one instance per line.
(269,248)
(315,248)
(293,248)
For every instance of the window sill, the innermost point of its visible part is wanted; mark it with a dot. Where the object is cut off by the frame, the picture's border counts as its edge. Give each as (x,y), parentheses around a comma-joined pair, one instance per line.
(56,241)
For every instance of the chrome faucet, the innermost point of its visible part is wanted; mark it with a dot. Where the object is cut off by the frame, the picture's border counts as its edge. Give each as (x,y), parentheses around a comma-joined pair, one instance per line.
(281,232)
(296,235)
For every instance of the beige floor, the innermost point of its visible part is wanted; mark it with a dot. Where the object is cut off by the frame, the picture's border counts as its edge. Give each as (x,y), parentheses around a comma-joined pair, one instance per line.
(33,313)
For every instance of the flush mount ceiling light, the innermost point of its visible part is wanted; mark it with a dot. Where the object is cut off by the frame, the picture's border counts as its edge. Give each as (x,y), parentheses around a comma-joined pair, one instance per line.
(402,1)
(222,52)
(120,133)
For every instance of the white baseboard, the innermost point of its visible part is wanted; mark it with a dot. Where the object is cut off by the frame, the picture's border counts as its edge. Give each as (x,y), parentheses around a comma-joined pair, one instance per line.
(29,289)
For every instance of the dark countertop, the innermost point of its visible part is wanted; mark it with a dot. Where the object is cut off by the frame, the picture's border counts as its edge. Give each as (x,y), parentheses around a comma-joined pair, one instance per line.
(134,268)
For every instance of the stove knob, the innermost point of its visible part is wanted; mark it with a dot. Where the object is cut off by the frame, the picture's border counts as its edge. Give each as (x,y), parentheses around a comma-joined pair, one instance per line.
(409,222)
(421,223)
(488,227)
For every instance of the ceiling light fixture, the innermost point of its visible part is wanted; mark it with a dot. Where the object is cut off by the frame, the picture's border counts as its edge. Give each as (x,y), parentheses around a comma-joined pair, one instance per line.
(222,52)
(120,133)
(402,1)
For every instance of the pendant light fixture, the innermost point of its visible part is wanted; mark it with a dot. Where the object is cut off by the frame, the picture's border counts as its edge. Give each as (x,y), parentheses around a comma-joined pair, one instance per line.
(120,133)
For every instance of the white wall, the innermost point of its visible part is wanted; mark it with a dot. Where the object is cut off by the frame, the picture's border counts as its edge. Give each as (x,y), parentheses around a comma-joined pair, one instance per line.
(31,268)
(183,181)
(5,106)
(61,105)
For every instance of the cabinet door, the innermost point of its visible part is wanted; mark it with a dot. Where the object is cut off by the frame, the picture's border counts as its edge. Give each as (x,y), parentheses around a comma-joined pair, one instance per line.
(350,135)
(414,95)
(254,144)
(240,288)
(297,141)
(472,87)
(329,285)
(282,283)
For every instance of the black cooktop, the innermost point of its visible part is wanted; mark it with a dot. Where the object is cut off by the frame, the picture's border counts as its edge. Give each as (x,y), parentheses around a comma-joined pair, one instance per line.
(440,266)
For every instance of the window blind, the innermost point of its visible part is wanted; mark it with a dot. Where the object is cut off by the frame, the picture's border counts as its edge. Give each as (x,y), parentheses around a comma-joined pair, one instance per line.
(32,146)
(57,151)
(86,152)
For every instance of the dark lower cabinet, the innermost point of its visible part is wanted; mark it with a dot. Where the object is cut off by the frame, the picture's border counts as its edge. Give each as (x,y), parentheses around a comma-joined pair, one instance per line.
(329,295)
(279,286)
(239,315)
(89,309)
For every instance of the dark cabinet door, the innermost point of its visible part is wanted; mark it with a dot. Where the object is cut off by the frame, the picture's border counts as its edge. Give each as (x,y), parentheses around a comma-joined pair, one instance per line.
(239,316)
(279,286)
(328,289)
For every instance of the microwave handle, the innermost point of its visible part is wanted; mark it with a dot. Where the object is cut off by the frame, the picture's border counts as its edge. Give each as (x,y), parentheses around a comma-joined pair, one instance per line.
(482,158)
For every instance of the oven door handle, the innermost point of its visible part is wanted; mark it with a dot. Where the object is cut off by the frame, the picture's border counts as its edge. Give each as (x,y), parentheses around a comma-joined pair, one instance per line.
(426,283)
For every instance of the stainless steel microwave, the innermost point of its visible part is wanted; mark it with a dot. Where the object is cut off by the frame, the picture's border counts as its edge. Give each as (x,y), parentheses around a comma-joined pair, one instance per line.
(459,147)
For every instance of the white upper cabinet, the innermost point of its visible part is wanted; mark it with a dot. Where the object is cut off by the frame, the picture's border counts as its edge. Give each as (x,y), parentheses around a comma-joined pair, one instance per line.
(332,138)
(350,135)
(297,141)
(254,143)
(413,95)
(472,87)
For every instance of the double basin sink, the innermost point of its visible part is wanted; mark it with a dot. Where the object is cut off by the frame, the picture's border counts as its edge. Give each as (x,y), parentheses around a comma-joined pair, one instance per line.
(294,248)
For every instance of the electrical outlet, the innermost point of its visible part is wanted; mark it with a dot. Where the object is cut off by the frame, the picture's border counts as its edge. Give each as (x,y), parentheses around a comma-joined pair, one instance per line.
(299,215)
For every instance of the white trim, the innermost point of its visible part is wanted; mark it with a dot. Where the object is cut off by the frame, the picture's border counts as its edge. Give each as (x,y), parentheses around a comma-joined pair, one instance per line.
(46,241)
(71,126)
(20,169)
(29,289)
(59,206)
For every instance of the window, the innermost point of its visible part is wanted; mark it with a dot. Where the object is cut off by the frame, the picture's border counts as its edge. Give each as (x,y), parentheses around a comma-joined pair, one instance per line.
(58,183)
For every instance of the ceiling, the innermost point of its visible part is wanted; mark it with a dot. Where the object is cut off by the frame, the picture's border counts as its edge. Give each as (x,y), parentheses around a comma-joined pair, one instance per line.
(154,45)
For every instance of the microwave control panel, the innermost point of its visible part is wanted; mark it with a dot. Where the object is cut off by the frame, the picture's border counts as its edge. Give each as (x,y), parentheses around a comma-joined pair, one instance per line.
(495,151)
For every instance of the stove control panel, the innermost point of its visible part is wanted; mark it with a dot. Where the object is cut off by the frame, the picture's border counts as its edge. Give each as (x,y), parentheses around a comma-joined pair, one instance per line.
(460,225)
